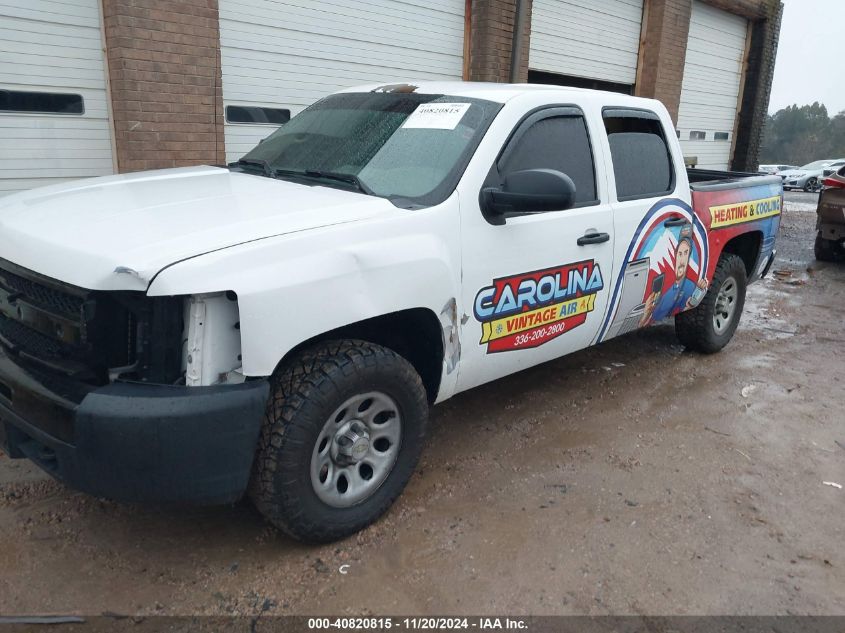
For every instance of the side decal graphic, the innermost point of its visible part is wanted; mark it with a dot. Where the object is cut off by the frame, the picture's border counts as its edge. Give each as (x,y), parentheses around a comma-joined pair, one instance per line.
(667,266)
(739,212)
(664,271)
(529,309)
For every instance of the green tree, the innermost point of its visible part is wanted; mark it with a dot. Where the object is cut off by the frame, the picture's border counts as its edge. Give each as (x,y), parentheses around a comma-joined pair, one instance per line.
(802,134)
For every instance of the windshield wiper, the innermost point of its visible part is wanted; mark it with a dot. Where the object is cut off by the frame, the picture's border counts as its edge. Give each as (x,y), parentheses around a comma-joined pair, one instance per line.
(350,179)
(257,162)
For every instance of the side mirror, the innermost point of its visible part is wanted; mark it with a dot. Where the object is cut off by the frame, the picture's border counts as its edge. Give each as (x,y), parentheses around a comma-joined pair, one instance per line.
(528,191)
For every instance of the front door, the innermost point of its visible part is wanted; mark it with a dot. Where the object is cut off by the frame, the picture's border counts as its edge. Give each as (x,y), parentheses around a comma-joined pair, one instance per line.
(536,286)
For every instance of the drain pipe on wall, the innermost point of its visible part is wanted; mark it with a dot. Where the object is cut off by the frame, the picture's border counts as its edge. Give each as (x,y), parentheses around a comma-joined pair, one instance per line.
(520,16)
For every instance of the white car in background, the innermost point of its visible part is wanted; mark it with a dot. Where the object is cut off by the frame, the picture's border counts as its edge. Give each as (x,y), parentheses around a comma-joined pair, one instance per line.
(771,170)
(807,177)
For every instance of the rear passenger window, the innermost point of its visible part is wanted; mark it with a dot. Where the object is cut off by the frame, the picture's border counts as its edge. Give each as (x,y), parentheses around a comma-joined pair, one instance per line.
(555,142)
(642,164)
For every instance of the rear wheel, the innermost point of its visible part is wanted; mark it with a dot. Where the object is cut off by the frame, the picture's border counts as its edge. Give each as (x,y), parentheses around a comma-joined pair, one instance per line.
(342,435)
(710,326)
(827,250)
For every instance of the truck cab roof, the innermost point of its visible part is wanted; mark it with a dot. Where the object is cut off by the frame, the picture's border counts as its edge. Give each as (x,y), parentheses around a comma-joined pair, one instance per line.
(502,93)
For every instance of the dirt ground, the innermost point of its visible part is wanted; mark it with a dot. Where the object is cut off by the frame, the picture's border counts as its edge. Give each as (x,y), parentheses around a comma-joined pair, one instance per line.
(632,478)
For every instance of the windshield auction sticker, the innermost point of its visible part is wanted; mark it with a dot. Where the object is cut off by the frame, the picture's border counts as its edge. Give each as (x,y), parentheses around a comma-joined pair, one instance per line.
(530,309)
(436,116)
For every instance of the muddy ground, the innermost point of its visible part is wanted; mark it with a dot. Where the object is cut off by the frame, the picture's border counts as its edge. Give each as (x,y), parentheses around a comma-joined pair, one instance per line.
(632,478)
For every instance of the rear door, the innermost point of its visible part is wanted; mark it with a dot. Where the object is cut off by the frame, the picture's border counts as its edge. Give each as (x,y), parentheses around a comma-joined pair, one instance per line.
(661,246)
(533,287)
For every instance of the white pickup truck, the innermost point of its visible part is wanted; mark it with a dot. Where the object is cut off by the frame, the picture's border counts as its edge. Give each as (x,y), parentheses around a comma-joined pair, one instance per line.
(279,327)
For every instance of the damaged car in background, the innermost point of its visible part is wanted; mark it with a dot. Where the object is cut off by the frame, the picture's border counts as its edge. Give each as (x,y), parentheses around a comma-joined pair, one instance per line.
(807,177)
(279,328)
(830,222)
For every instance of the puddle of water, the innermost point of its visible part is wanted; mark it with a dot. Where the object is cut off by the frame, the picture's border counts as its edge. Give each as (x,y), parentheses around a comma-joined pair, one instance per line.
(761,314)
(755,361)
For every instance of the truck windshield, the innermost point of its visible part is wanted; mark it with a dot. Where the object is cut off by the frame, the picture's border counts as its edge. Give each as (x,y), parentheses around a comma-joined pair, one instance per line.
(407,147)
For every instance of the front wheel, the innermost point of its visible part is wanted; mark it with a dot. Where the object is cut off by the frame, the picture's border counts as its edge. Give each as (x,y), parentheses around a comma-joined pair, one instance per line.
(710,326)
(342,435)
(812,185)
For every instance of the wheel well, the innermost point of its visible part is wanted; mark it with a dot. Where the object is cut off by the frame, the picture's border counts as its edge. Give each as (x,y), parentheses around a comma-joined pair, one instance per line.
(414,334)
(747,247)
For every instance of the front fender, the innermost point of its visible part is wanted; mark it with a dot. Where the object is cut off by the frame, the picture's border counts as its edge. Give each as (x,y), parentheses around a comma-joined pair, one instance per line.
(294,287)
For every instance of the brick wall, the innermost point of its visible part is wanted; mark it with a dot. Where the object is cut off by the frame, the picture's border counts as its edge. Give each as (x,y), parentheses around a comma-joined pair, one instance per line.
(751,9)
(758,86)
(491,40)
(663,52)
(164,70)
(164,74)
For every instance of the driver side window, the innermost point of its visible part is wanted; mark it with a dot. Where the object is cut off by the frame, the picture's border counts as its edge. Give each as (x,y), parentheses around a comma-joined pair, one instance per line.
(555,142)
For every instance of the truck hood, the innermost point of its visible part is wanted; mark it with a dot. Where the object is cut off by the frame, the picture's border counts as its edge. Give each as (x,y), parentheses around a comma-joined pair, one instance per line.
(117,232)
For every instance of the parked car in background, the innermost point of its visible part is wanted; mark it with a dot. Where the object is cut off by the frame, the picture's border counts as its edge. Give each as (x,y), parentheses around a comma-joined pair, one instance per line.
(771,170)
(807,177)
(830,223)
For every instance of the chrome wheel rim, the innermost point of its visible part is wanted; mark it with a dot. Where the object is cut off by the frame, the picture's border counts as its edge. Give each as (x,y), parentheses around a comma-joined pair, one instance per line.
(356,449)
(725,305)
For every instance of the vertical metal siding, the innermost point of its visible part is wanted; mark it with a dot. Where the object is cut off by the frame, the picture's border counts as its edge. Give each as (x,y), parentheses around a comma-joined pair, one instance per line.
(585,38)
(53,46)
(710,90)
(290,53)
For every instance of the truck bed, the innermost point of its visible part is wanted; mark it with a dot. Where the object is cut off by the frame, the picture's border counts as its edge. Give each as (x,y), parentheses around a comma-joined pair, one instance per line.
(717,180)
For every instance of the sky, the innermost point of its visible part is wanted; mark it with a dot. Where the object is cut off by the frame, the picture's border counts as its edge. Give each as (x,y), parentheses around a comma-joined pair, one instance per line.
(810,64)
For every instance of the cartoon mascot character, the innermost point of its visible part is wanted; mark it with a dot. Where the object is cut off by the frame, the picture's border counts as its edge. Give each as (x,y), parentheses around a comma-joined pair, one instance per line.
(684,293)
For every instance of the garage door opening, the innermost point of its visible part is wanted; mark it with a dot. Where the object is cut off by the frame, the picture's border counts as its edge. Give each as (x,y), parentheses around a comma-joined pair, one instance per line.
(598,42)
(713,72)
(287,55)
(554,79)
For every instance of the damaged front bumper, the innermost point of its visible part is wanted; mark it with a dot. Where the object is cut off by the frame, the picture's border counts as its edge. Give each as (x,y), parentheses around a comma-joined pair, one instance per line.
(134,441)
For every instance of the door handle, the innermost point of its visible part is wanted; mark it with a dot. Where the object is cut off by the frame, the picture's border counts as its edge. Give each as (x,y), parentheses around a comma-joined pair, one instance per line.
(675,222)
(593,238)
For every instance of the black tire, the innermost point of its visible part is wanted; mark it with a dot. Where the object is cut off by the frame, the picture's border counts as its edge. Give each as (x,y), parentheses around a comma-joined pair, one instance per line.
(827,250)
(696,328)
(811,185)
(304,394)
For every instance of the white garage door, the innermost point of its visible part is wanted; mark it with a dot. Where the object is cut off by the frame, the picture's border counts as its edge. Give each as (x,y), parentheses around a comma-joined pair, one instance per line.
(585,38)
(710,91)
(286,54)
(51,60)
